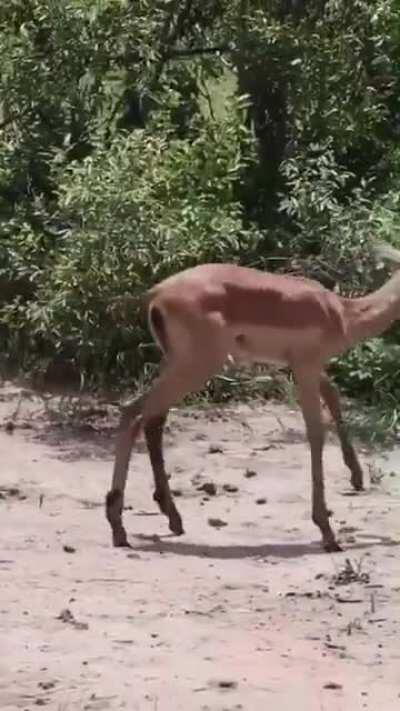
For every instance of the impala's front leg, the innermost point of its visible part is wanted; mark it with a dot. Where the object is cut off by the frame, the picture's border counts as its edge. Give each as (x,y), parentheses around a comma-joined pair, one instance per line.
(309,396)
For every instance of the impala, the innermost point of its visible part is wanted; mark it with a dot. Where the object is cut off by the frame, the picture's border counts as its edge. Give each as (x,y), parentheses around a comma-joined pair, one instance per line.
(203,316)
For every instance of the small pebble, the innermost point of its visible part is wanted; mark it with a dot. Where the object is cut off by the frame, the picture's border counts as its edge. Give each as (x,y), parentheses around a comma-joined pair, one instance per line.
(227,684)
(215,449)
(217,522)
(46,685)
(209,488)
(230,488)
(69,549)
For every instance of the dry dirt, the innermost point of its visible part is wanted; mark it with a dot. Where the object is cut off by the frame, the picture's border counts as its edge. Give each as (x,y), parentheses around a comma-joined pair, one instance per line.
(251,615)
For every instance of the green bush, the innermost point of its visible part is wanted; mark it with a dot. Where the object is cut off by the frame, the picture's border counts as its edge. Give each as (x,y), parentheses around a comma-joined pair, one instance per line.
(371,370)
(126,155)
(146,206)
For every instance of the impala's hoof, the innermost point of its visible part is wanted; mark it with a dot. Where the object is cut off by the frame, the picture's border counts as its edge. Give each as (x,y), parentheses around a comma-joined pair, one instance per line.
(120,540)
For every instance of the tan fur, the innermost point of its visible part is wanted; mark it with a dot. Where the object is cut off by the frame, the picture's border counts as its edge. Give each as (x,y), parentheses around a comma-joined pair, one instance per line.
(273,315)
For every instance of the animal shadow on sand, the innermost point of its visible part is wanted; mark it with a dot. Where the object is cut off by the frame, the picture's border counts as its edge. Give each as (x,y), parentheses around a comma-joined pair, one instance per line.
(166,544)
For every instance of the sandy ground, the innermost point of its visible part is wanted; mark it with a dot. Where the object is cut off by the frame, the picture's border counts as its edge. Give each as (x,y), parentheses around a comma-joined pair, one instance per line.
(250,615)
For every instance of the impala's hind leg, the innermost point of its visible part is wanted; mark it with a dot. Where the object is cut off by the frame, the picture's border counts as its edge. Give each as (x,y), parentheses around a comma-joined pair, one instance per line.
(178,377)
(130,425)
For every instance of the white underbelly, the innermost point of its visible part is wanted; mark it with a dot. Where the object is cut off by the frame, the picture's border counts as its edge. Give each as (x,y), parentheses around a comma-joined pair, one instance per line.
(273,346)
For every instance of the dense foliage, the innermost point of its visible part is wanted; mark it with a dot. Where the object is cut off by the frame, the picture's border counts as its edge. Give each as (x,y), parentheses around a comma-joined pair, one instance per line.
(140,137)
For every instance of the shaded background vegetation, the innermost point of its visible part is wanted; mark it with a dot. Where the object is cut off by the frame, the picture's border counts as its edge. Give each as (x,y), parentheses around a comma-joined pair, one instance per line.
(138,137)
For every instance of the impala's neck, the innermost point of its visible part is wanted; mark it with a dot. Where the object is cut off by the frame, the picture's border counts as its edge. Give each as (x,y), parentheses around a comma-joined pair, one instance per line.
(371,315)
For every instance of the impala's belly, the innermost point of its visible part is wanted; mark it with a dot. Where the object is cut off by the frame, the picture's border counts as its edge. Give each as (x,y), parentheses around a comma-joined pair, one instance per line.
(277,346)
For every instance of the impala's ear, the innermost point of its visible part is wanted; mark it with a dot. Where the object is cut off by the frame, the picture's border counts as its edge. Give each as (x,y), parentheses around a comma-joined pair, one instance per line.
(383,250)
